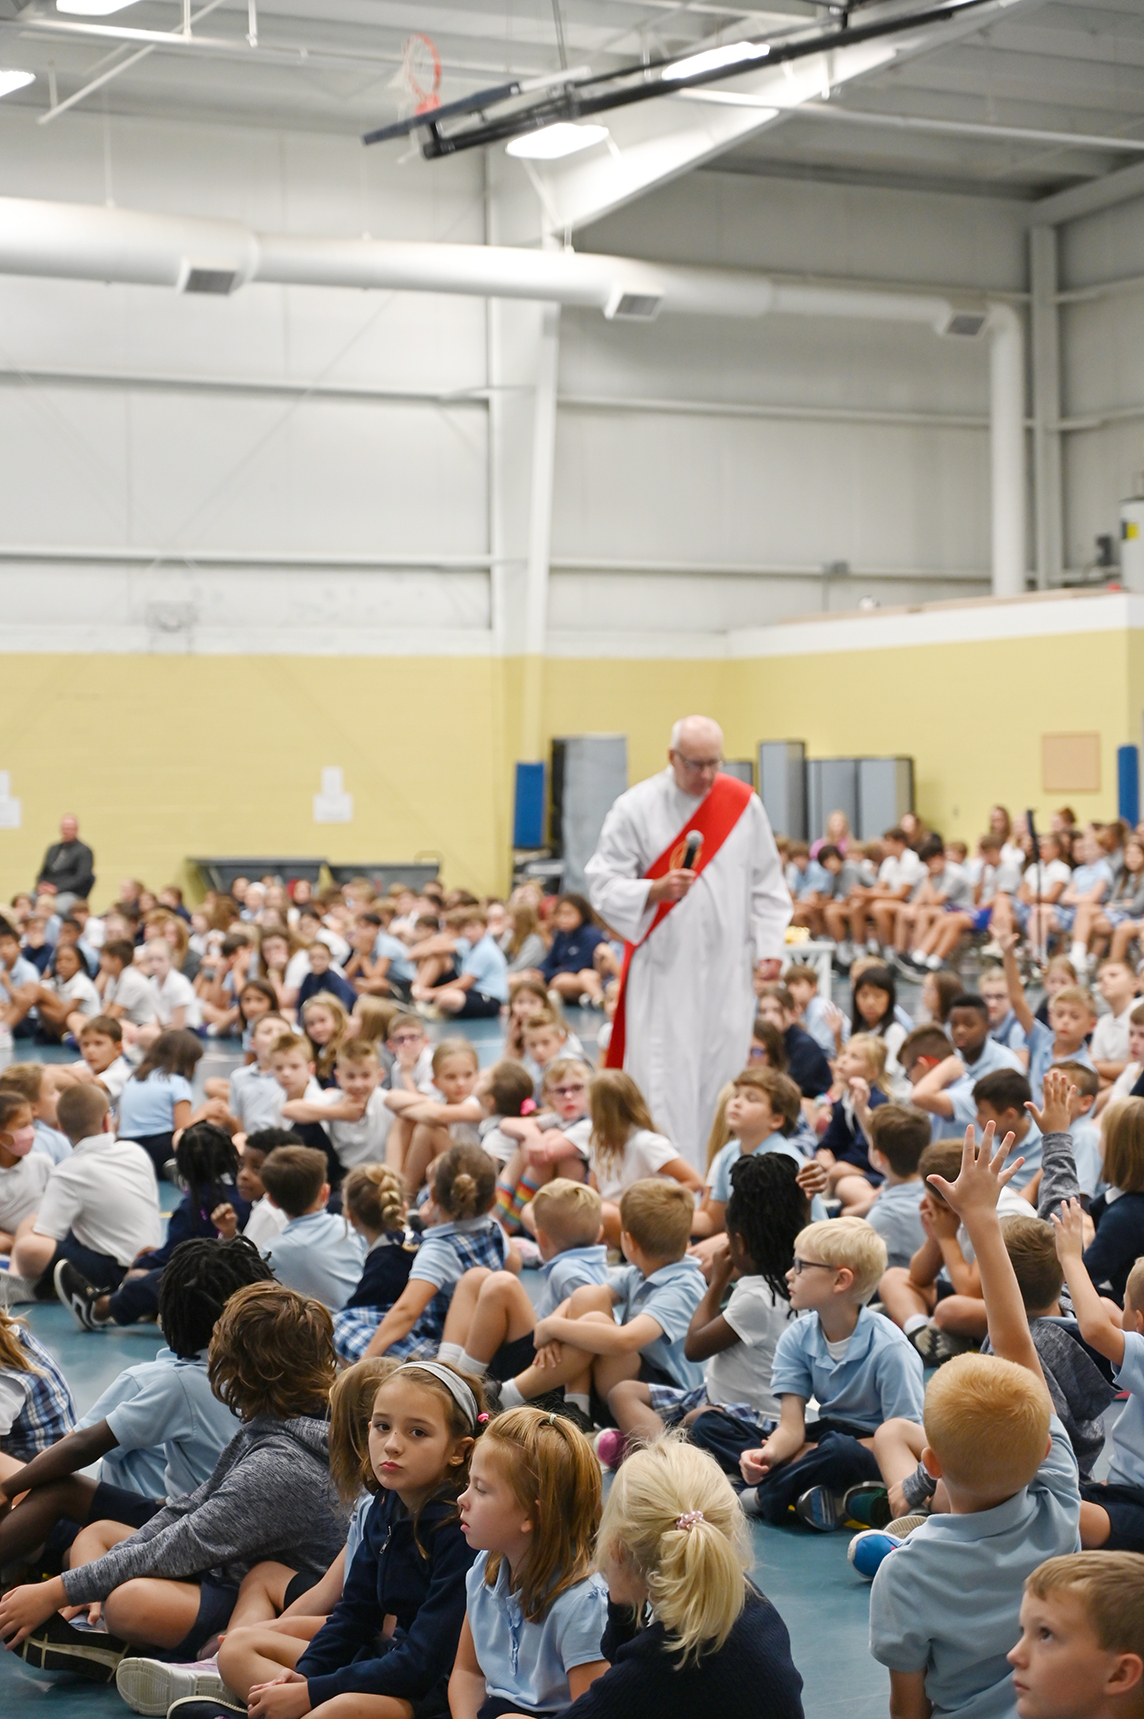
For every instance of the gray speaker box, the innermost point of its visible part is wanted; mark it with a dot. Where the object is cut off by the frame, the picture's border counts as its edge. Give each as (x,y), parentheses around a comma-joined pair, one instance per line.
(589,771)
(782,786)
(885,791)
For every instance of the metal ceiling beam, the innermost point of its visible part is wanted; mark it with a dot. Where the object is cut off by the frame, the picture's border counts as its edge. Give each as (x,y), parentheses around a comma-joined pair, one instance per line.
(956,127)
(1102,193)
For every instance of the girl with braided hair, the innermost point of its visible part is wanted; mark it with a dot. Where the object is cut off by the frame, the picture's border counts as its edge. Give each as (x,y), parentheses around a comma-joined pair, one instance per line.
(765,1213)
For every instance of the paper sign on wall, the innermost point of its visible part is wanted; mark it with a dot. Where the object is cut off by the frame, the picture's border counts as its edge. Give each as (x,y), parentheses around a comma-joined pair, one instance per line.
(333,805)
(9,808)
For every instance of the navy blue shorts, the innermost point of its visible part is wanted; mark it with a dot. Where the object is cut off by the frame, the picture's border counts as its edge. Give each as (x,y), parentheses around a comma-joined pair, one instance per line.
(478,1007)
(1125,1507)
(512,1358)
(216,1602)
(117,1504)
(100,1270)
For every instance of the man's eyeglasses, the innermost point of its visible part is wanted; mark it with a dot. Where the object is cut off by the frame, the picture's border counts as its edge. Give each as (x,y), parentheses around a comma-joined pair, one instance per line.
(698,763)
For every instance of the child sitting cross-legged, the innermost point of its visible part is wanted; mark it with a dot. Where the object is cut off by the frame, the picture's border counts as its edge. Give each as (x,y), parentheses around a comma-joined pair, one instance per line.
(1081,1651)
(374,1204)
(490,1322)
(541,1149)
(318,1253)
(427,1126)
(858,1367)
(634,1325)
(172,1584)
(536,1613)
(734,1407)
(761,1113)
(945,1604)
(623,1146)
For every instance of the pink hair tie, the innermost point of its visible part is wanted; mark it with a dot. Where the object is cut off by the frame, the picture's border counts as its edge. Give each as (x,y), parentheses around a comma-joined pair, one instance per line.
(528,1107)
(482,1420)
(689,1519)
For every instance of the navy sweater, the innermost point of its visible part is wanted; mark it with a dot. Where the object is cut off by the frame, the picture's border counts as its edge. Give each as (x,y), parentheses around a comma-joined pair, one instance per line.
(751,1677)
(423,1590)
(808,1068)
(384,1276)
(572,951)
(1118,1242)
(186,1223)
(848,1143)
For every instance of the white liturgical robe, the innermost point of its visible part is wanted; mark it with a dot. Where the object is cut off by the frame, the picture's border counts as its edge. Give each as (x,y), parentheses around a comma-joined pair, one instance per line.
(690,993)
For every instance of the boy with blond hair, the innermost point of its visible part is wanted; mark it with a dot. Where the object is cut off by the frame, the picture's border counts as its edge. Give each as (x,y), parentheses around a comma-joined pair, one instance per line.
(491,1319)
(858,1366)
(944,1606)
(1081,1652)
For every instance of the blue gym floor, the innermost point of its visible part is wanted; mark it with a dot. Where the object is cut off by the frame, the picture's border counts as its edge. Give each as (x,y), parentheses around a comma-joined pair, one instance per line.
(806,1576)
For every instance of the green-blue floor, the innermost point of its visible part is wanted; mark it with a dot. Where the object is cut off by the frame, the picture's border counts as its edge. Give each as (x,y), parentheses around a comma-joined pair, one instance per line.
(807,1576)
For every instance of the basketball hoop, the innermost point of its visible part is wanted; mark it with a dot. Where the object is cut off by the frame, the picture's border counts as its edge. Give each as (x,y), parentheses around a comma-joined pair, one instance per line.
(421,73)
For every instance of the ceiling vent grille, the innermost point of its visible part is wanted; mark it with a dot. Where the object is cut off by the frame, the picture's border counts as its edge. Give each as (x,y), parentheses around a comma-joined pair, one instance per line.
(197,278)
(966,324)
(633,306)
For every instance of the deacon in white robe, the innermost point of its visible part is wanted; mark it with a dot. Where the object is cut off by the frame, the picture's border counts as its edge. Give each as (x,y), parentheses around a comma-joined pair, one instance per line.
(690,999)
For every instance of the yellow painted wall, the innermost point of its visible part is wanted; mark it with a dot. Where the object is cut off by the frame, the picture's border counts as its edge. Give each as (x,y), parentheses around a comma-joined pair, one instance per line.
(163,757)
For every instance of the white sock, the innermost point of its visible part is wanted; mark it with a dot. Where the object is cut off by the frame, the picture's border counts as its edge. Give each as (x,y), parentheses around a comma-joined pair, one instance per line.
(1078,955)
(579,1398)
(450,1354)
(915,1322)
(510,1397)
(468,1364)
(933,962)
(872,947)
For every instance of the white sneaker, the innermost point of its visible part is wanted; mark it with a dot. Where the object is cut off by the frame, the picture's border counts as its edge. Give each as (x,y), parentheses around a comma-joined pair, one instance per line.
(151,1685)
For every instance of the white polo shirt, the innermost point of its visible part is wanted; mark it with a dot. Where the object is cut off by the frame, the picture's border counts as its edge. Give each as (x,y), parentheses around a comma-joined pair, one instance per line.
(134,994)
(21,1188)
(894,872)
(176,992)
(107,1196)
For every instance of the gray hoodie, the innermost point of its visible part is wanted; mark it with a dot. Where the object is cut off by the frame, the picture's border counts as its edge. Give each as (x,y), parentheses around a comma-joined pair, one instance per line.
(270,1497)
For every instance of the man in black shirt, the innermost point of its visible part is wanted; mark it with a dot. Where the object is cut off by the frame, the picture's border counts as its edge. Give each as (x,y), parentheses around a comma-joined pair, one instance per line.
(68,871)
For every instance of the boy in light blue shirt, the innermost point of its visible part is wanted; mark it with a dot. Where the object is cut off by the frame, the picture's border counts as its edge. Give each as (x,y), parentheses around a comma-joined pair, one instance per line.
(944,1610)
(1085,1133)
(318,1253)
(857,1365)
(1072,1016)
(479,988)
(1001,1099)
(899,1136)
(762,1113)
(946,1091)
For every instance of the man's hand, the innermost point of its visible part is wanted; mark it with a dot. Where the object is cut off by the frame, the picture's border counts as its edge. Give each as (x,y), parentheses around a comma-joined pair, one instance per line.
(225,1220)
(769,971)
(979,1185)
(672,886)
(812,1178)
(1053,1116)
(1068,1231)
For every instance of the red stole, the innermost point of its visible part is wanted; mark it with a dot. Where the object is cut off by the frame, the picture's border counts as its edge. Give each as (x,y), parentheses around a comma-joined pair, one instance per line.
(714,818)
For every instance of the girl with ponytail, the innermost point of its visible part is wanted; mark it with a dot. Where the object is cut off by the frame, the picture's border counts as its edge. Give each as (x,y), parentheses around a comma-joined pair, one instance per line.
(687,1633)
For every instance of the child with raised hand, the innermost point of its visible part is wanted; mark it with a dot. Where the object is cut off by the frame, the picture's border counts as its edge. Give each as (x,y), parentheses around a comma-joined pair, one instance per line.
(427,1126)
(157,1430)
(411,1565)
(463,1189)
(944,1605)
(1112,1514)
(735,1406)
(172,1584)
(1081,1652)
(687,1632)
(623,1146)
(1072,1016)
(536,1614)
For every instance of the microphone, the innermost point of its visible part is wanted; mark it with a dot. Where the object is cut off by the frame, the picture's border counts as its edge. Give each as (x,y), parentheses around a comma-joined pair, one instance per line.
(691,848)
(1032,826)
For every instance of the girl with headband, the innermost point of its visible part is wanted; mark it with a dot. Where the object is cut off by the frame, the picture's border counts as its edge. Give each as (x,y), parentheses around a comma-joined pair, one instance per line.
(411,1564)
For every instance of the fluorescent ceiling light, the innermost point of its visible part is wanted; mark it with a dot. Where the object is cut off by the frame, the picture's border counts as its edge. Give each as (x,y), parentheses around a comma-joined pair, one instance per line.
(714,59)
(10,81)
(554,141)
(93,8)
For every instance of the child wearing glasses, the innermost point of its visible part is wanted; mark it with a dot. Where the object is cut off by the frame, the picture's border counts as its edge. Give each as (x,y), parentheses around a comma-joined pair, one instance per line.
(541,1147)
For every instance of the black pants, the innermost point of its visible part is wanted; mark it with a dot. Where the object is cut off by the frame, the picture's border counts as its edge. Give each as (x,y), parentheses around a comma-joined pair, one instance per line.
(159,1148)
(136,1298)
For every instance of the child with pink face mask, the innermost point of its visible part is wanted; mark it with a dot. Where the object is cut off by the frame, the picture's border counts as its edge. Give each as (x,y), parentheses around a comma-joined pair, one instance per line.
(23,1173)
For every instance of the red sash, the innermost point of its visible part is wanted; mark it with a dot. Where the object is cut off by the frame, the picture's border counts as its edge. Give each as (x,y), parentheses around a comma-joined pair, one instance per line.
(715,818)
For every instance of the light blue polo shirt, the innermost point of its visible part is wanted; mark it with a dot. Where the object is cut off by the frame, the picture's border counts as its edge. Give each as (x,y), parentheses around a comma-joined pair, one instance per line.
(896,1215)
(1128,1434)
(1041,1058)
(486,962)
(148,1106)
(991,1057)
(170,1427)
(51,1142)
(1010,1033)
(568,1271)
(527,1664)
(878,1378)
(724,1161)
(670,1296)
(319,1255)
(947,1600)
(1085,1136)
(395,952)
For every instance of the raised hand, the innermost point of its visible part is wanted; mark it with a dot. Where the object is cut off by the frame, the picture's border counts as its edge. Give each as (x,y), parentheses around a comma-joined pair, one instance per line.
(1053,1116)
(979,1185)
(1068,1230)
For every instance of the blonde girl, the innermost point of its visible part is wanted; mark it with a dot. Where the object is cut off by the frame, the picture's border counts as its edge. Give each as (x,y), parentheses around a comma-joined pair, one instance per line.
(527,995)
(544,1149)
(536,1613)
(687,1632)
(521,943)
(1119,1213)
(410,1566)
(278,1611)
(862,1085)
(466,1235)
(325,1022)
(370,1022)
(36,1407)
(373,1199)
(623,1145)
(424,1126)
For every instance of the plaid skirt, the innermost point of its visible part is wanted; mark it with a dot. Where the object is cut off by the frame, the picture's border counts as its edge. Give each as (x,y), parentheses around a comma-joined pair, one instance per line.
(672,1402)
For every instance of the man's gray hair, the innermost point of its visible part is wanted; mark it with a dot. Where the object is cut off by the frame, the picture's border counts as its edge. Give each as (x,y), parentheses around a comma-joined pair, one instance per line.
(678,727)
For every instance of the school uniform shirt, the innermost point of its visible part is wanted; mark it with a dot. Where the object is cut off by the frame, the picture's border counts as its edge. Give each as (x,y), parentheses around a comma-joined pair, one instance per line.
(255,1098)
(1087,1156)
(489,970)
(147,1107)
(36,1408)
(1057,871)
(527,1664)
(79,993)
(807,1066)
(896,1215)
(1119,1239)
(570,1270)
(572,951)
(177,992)
(1042,1056)
(499,1146)
(1085,877)
(135,994)
(385,1272)
(990,1058)
(422,1075)
(361,1142)
(265,1223)
(107,1196)
(1128,1434)
(894,872)
(953,887)
(947,1600)
(1109,1042)
(878,1378)
(169,1426)
(51,1142)
(724,1161)
(332,981)
(742,1373)
(670,1297)
(645,1153)
(1009,1033)
(319,1255)
(22,1188)
(115,1077)
(393,950)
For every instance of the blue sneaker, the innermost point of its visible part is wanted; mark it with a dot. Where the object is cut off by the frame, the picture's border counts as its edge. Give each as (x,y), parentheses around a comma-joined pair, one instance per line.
(867,1550)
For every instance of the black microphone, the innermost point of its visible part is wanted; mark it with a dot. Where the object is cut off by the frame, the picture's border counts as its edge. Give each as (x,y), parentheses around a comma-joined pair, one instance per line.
(691,849)
(1032,827)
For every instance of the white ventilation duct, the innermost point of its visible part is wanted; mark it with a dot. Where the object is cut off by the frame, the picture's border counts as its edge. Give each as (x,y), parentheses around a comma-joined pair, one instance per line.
(79,241)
